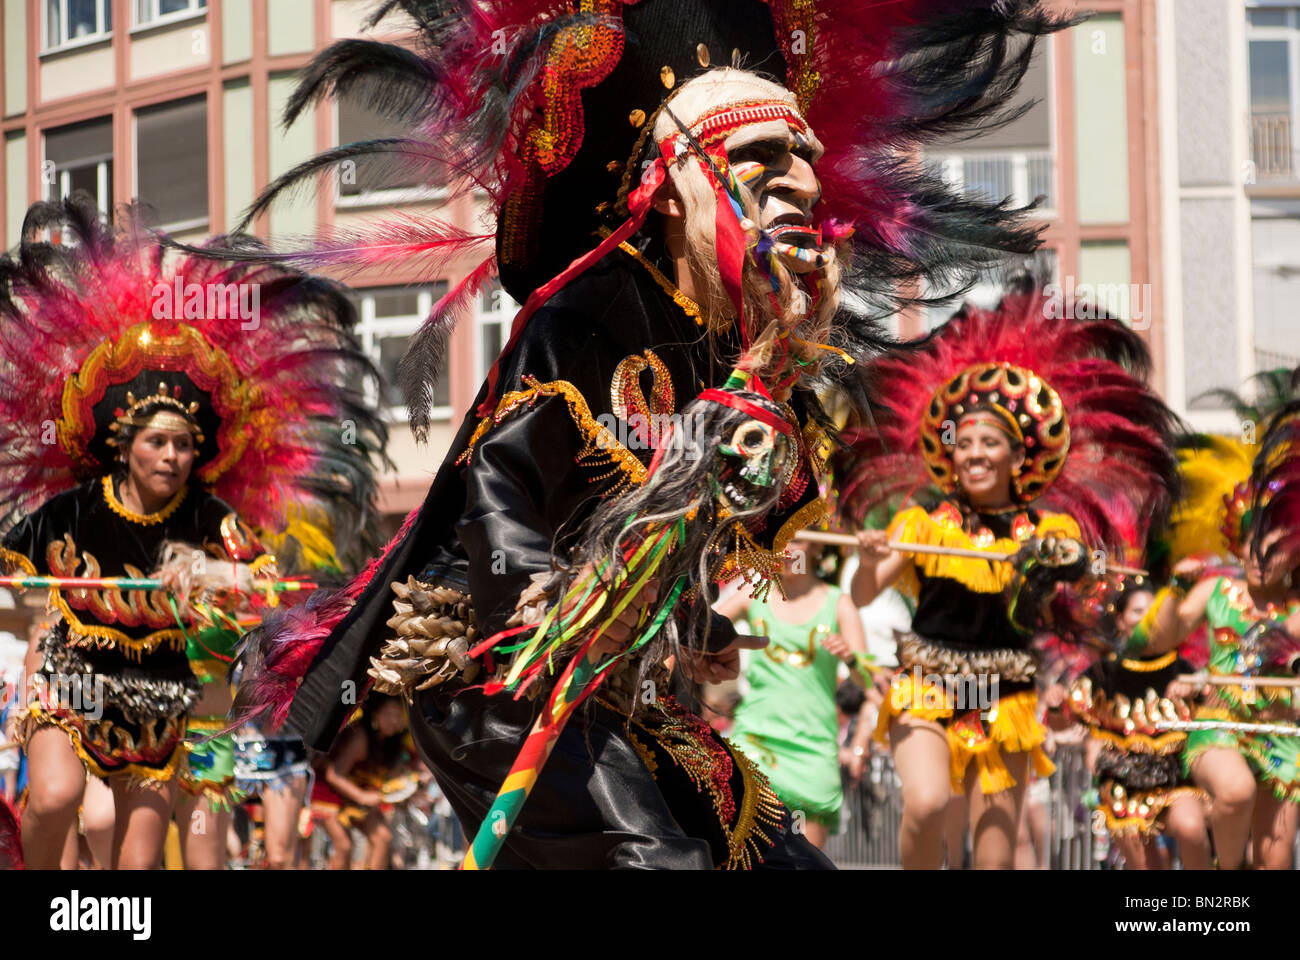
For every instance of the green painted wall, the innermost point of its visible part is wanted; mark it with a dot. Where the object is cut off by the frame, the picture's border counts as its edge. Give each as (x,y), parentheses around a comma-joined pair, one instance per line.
(296,215)
(15,57)
(1101,120)
(237,104)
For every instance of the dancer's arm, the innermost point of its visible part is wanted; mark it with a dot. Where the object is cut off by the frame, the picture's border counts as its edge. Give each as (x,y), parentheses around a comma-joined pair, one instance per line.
(1176,613)
(734,606)
(878,567)
(849,643)
(348,754)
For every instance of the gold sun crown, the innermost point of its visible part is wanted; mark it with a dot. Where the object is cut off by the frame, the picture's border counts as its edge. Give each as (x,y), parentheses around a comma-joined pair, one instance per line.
(177,417)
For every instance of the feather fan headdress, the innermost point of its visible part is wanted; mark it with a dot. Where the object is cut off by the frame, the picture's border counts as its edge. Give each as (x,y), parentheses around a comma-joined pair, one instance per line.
(1098,441)
(547,106)
(1275,482)
(258,361)
(1227,480)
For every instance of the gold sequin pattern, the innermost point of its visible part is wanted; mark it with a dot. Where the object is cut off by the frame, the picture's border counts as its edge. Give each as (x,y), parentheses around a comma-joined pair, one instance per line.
(628,400)
(600,447)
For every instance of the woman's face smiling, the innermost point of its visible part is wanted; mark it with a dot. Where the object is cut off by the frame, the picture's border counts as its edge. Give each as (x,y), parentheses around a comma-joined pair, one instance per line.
(985,461)
(1136,608)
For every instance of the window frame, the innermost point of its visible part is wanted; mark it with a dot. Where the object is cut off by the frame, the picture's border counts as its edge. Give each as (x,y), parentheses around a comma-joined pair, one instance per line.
(501,316)
(1289,33)
(371,329)
(949,163)
(100,161)
(379,198)
(196,9)
(172,226)
(102,16)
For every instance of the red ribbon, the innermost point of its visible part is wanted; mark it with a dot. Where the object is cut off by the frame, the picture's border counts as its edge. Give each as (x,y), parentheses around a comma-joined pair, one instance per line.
(745,406)
(730,241)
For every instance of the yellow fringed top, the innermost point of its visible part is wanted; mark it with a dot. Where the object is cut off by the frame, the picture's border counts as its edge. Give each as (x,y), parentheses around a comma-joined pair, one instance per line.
(943,527)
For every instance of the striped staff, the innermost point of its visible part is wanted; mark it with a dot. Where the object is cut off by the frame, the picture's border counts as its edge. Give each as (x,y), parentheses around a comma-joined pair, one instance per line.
(844,540)
(1232,726)
(121,583)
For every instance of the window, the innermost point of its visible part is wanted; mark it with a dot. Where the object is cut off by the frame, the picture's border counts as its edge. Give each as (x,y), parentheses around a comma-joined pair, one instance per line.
(1273,38)
(988,289)
(389,318)
(150,12)
(382,179)
(1275,229)
(171,162)
(70,22)
(1015,161)
(80,157)
(493,312)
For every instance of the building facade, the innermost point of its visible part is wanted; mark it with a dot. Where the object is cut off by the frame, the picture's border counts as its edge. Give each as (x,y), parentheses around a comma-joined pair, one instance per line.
(1160,143)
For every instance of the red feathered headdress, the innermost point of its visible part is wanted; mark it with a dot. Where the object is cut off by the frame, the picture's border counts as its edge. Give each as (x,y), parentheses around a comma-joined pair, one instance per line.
(1098,439)
(258,361)
(546,106)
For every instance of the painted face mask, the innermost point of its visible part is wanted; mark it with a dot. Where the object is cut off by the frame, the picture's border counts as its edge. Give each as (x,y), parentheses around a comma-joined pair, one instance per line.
(777,167)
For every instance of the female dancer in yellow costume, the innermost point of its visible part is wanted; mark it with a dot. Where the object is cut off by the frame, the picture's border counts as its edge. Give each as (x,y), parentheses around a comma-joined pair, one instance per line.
(995,408)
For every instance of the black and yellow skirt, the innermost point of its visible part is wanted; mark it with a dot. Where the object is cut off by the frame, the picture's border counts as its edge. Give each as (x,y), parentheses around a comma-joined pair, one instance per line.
(1139,777)
(1009,724)
(125,718)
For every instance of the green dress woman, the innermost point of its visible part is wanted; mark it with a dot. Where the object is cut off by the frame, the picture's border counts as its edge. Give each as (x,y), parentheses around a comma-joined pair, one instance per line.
(787,722)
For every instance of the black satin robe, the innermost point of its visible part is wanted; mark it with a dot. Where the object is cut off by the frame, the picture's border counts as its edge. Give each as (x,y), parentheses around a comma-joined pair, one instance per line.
(485,528)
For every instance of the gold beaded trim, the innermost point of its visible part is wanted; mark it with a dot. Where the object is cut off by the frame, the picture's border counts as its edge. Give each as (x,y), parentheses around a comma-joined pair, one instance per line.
(645,753)
(600,447)
(87,635)
(1150,666)
(809,515)
(760,809)
(14,560)
(757,566)
(688,306)
(145,519)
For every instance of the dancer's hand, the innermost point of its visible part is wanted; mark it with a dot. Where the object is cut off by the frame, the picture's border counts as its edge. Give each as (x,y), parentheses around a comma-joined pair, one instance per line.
(620,633)
(874,544)
(839,648)
(1189,568)
(370,798)
(721,666)
(857,762)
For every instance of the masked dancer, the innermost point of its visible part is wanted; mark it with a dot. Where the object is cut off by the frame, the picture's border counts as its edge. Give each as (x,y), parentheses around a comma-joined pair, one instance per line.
(652,169)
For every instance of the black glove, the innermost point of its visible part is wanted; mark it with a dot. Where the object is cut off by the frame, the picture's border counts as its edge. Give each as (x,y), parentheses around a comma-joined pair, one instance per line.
(1041,564)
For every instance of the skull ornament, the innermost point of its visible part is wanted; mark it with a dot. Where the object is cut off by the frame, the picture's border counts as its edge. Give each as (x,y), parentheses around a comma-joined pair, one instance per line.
(753,465)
